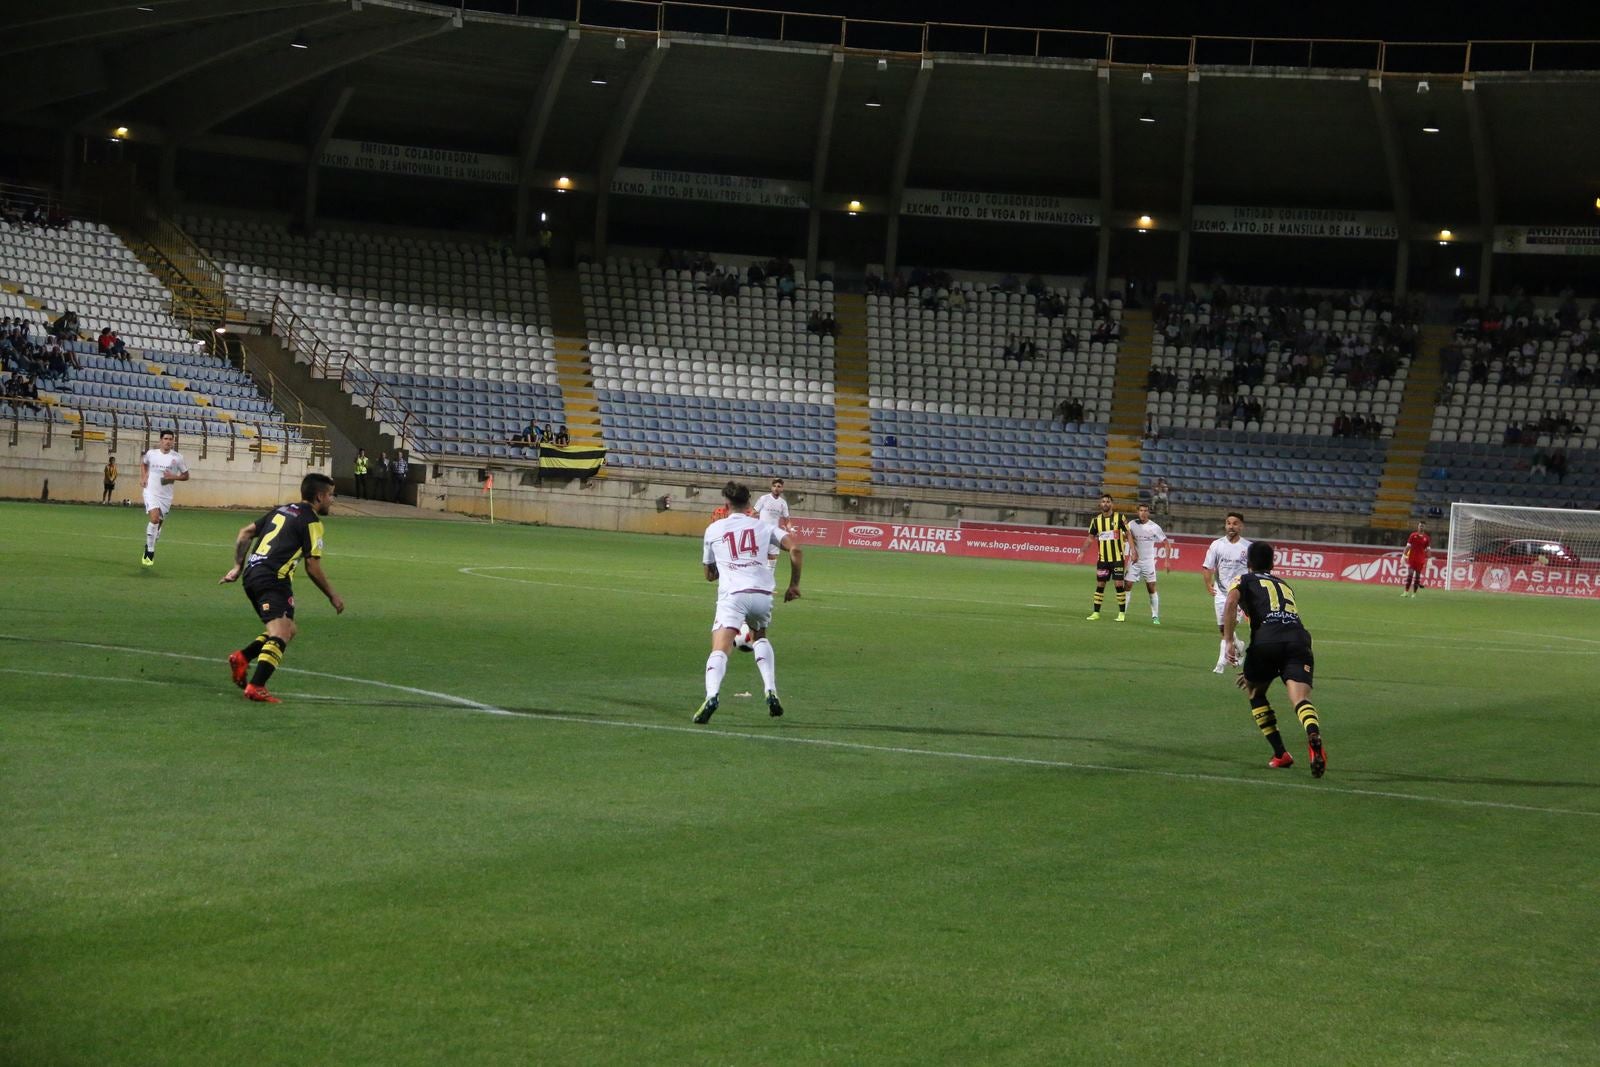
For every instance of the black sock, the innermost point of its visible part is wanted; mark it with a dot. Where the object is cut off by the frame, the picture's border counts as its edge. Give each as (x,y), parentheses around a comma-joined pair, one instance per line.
(271,656)
(253,649)
(1267,721)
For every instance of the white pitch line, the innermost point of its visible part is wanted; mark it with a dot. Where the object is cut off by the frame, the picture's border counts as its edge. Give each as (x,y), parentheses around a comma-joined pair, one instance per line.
(84,677)
(857,746)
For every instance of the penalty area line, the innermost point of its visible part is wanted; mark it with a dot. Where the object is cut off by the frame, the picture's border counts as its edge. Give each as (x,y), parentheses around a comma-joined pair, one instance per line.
(857,746)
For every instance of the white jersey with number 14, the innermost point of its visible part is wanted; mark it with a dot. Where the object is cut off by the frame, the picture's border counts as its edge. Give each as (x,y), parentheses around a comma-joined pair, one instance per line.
(738,545)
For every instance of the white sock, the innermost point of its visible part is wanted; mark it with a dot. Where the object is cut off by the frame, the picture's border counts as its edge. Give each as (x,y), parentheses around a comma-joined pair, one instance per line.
(1222,651)
(716,667)
(1155,605)
(767,665)
(152,531)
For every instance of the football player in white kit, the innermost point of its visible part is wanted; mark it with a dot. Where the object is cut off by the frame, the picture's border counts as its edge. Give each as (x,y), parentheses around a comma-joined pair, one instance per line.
(734,554)
(774,510)
(1146,535)
(1225,563)
(159,469)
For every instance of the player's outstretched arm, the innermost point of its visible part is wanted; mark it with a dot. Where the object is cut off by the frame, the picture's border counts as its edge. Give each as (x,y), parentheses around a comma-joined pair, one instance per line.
(315,572)
(788,545)
(1230,616)
(241,548)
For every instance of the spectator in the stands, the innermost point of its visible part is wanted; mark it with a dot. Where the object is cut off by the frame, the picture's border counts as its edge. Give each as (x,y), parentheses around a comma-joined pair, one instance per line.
(786,288)
(562,437)
(1069,411)
(755,275)
(21,389)
(529,435)
(958,300)
(1512,436)
(1557,464)
(398,471)
(1035,286)
(66,327)
(1341,425)
(1159,496)
(1027,351)
(1012,349)
(104,341)
(1536,465)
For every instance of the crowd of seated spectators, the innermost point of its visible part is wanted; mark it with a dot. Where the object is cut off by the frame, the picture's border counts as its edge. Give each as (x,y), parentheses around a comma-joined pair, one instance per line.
(33,213)
(1270,329)
(1549,424)
(1357,425)
(21,390)
(822,324)
(724,281)
(537,434)
(1068,410)
(1512,330)
(46,359)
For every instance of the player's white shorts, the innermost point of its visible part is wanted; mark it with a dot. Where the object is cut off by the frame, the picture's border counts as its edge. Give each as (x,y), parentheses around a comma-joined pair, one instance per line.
(743,609)
(1142,571)
(1220,601)
(155,500)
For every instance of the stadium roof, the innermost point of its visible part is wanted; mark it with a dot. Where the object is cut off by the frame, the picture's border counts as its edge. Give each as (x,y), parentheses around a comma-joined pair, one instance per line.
(1291,123)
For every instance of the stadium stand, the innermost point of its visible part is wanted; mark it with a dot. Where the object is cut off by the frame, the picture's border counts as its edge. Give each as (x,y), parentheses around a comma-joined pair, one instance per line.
(1518,419)
(83,267)
(967,380)
(691,377)
(455,332)
(1276,401)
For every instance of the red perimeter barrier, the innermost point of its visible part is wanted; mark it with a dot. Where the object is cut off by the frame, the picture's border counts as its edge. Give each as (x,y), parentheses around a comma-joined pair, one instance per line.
(1185,552)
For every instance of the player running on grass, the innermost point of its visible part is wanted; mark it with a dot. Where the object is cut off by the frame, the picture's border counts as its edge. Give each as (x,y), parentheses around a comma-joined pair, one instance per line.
(1280,647)
(734,554)
(265,553)
(159,468)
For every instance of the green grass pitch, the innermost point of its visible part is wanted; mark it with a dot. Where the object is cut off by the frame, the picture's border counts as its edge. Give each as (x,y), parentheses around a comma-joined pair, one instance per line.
(481,829)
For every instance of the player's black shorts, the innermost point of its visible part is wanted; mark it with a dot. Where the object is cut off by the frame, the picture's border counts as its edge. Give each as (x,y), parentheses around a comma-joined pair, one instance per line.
(1290,660)
(1113,571)
(271,596)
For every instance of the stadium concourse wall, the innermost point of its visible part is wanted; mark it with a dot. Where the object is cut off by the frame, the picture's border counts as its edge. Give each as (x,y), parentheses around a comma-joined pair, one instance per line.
(31,460)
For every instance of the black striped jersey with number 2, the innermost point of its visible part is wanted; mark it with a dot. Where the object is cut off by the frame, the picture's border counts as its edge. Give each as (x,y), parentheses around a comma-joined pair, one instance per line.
(283,536)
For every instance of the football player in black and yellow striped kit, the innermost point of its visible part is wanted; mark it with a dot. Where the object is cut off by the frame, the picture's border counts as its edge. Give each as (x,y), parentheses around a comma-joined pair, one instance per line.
(1108,533)
(1280,647)
(265,554)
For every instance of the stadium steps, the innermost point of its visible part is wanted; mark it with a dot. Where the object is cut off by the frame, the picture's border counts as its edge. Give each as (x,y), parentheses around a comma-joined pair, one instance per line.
(578,398)
(567,315)
(178,263)
(1402,467)
(852,414)
(1125,434)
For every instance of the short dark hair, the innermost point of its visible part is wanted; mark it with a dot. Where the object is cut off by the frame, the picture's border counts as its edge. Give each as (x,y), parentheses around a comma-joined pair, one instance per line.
(312,485)
(1259,556)
(777,481)
(168,433)
(1106,496)
(1235,515)
(736,495)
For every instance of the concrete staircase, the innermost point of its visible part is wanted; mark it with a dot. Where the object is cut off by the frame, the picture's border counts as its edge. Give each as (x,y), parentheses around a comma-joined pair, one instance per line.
(577,393)
(570,320)
(567,314)
(1397,490)
(1125,435)
(852,417)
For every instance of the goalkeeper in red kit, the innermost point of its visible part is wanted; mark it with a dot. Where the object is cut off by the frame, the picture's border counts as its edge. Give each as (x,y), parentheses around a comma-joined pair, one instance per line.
(1416,558)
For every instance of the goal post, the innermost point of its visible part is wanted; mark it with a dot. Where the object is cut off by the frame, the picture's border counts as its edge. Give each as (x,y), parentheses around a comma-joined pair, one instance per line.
(1504,548)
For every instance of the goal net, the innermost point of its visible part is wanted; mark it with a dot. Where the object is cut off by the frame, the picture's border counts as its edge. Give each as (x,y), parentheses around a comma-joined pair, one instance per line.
(1505,549)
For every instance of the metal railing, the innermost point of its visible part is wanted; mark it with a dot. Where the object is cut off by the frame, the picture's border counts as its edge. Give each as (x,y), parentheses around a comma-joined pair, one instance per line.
(340,365)
(889,37)
(269,436)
